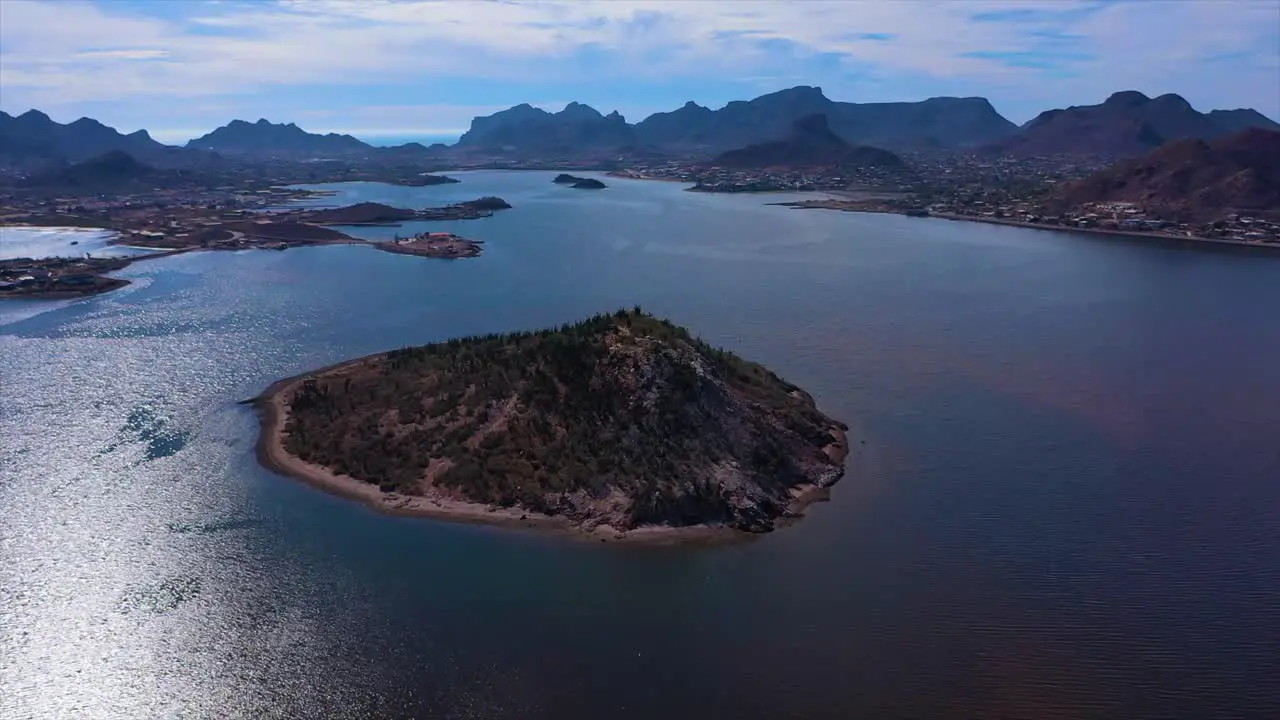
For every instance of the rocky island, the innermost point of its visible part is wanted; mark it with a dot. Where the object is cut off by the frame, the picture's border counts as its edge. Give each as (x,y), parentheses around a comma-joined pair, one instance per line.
(579,183)
(623,425)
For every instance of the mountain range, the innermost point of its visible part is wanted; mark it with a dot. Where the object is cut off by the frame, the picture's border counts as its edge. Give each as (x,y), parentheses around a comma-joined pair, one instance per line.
(1127,124)
(34,136)
(694,129)
(1191,178)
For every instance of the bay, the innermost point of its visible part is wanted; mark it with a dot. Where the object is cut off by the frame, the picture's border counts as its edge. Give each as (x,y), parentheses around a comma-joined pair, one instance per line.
(1062,500)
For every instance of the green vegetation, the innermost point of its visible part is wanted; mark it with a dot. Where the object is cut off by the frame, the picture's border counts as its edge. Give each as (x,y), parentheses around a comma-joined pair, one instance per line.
(622,417)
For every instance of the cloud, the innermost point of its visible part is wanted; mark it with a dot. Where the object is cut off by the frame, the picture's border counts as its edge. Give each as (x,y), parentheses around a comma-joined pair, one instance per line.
(1024,54)
(139,54)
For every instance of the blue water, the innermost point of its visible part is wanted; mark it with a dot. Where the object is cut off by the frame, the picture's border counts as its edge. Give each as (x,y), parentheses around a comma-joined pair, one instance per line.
(425,140)
(1063,501)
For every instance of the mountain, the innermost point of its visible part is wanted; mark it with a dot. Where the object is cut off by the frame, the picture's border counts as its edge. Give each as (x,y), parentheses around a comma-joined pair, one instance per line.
(524,129)
(114,171)
(1234,121)
(622,420)
(949,122)
(34,136)
(809,143)
(266,138)
(1191,178)
(1127,124)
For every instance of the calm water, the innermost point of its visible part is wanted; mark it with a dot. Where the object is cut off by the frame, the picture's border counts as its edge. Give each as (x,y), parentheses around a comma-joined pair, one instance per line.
(1064,499)
(42,242)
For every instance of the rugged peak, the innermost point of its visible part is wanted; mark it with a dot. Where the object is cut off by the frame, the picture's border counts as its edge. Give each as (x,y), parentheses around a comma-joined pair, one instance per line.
(34,115)
(797,95)
(1127,98)
(1173,100)
(577,110)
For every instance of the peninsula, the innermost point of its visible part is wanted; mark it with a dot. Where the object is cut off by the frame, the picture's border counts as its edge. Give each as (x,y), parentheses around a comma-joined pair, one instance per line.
(622,425)
(237,230)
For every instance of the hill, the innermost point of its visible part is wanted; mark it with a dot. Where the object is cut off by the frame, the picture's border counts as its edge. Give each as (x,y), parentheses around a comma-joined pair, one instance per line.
(1191,179)
(621,420)
(115,171)
(266,138)
(1127,124)
(578,183)
(810,143)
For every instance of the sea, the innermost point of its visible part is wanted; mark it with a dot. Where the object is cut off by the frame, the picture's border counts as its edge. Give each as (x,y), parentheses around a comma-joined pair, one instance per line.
(1062,501)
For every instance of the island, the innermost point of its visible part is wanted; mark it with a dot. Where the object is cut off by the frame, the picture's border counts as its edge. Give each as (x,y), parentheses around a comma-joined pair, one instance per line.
(620,426)
(579,183)
(426,180)
(436,244)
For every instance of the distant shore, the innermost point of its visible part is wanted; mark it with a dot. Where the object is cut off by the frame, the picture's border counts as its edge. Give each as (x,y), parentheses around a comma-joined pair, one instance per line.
(1115,233)
(273,413)
(850,206)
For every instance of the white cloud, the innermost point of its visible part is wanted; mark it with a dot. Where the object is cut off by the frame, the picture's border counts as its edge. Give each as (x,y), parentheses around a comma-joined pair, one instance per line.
(73,52)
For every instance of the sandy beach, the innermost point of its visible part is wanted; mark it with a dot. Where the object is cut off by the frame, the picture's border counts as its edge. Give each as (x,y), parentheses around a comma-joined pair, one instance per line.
(273,412)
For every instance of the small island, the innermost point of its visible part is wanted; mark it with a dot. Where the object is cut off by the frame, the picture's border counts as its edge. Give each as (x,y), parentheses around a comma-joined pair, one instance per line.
(579,183)
(442,245)
(426,180)
(622,425)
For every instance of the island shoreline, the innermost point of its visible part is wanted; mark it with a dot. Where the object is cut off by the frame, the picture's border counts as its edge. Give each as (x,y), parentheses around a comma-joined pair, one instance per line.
(273,415)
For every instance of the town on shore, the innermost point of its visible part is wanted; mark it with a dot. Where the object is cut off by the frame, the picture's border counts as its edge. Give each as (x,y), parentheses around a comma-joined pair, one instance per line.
(1146,167)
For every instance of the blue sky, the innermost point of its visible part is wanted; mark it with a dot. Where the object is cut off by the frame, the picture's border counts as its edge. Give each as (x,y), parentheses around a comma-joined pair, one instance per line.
(425,67)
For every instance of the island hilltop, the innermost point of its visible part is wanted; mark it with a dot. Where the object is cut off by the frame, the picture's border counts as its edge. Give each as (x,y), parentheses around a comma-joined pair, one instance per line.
(622,424)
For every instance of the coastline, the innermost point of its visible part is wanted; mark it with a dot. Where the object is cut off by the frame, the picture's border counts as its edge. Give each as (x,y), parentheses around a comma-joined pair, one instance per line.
(273,415)
(1104,232)
(1112,233)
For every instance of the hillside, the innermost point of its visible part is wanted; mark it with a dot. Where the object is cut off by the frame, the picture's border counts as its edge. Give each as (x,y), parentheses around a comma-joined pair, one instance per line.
(810,143)
(621,420)
(1192,179)
(1127,124)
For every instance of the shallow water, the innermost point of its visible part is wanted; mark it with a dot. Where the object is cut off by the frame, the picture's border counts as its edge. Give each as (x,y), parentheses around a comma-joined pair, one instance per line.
(1062,501)
(18,241)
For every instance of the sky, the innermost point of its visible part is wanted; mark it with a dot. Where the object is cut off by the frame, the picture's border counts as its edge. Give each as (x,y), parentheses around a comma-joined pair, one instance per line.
(401,68)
